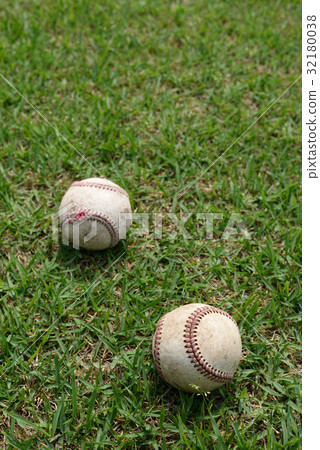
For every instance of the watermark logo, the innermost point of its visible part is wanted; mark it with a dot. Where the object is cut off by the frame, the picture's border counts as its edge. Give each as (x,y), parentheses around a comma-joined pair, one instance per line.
(76,228)
(159,226)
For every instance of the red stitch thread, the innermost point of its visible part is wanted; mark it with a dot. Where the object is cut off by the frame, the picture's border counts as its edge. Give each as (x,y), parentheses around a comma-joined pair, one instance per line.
(109,187)
(80,215)
(191,344)
(156,346)
(93,216)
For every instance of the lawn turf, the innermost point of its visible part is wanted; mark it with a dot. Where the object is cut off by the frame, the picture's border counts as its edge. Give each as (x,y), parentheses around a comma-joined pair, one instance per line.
(151,93)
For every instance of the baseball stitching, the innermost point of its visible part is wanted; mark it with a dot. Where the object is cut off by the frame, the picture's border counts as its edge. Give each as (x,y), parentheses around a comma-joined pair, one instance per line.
(109,187)
(87,214)
(192,346)
(156,346)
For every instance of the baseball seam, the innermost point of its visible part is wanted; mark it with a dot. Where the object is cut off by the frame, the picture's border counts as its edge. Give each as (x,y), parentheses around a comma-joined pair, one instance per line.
(156,346)
(87,214)
(108,187)
(192,346)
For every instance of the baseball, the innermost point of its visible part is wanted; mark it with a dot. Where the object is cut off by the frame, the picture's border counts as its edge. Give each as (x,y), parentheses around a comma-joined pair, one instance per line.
(197,347)
(95,214)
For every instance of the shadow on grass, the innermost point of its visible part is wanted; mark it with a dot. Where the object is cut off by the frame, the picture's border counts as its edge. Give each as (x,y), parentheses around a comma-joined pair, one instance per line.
(192,405)
(84,259)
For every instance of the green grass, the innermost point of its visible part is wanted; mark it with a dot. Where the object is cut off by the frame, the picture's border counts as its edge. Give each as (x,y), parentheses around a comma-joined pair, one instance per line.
(151,93)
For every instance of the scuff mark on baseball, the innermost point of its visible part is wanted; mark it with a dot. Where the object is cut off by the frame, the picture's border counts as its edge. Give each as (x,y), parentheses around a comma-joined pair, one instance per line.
(95,214)
(197,347)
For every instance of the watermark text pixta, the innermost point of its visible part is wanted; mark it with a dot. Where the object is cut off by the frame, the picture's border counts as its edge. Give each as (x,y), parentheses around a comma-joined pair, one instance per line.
(311,72)
(171,226)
